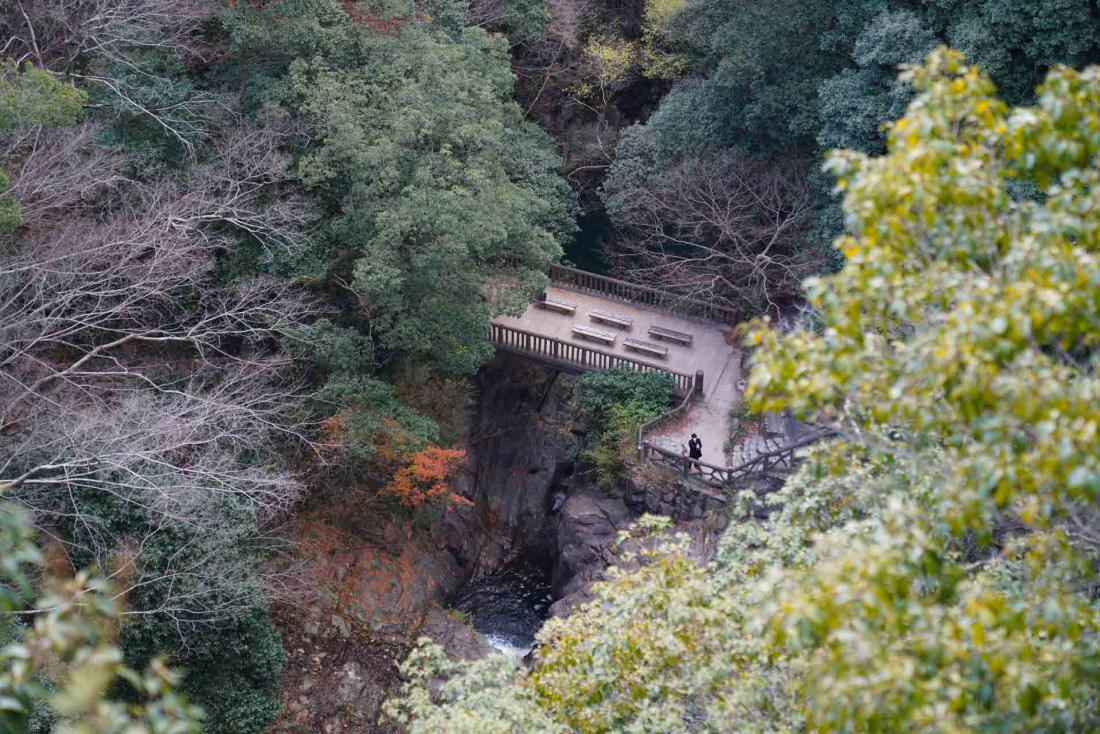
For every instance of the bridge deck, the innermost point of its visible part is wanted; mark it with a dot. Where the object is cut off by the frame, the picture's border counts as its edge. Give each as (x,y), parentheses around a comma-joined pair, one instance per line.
(709,352)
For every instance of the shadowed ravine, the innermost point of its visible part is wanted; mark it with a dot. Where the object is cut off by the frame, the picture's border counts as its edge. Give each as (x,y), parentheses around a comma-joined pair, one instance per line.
(508,606)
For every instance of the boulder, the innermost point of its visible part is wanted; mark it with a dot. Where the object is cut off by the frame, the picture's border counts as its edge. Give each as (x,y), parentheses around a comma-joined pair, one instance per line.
(358,693)
(457,637)
(587,526)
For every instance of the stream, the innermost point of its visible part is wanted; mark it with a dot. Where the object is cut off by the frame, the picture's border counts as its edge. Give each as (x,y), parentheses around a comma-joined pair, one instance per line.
(508,606)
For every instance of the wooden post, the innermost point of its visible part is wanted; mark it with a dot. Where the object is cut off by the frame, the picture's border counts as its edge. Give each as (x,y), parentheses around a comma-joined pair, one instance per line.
(698,383)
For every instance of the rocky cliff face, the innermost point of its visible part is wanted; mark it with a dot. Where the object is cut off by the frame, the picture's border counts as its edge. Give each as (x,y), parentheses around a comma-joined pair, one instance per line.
(530,497)
(522,451)
(383,582)
(586,528)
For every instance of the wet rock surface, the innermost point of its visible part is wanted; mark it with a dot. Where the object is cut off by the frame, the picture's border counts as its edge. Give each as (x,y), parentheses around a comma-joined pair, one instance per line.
(523,442)
(586,528)
(508,607)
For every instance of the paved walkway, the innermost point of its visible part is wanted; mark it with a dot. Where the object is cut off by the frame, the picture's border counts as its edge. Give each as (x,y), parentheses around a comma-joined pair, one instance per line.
(710,351)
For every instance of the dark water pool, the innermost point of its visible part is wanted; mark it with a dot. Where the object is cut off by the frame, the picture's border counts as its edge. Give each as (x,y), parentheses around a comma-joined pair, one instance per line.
(508,606)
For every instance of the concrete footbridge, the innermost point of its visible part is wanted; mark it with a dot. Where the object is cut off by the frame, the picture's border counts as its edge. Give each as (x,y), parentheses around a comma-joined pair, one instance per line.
(593,322)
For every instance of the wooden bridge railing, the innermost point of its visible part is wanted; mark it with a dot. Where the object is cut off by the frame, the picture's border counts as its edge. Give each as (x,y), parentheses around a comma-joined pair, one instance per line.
(721,477)
(602,285)
(579,356)
(660,420)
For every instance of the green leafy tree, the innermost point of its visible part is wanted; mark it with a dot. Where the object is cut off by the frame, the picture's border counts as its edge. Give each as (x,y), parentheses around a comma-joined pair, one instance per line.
(599,393)
(854,103)
(72,627)
(781,80)
(451,202)
(617,402)
(522,21)
(34,97)
(965,330)
(233,674)
(934,568)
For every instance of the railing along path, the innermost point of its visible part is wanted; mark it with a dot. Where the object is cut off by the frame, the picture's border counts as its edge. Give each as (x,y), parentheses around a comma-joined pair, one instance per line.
(574,356)
(601,285)
(762,465)
(580,356)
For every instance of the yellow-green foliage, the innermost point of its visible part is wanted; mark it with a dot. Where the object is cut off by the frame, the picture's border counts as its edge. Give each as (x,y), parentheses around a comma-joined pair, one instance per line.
(928,571)
(659,13)
(31,97)
(34,97)
(608,63)
(73,625)
(657,62)
(10,212)
(965,320)
(963,314)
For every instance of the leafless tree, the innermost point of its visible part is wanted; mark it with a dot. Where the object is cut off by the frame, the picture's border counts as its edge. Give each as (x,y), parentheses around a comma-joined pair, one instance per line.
(130,376)
(89,287)
(60,173)
(101,42)
(57,34)
(719,229)
(489,14)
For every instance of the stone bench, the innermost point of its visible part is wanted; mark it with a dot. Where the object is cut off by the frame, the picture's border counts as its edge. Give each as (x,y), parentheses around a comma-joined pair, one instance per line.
(606,317)
(659,332)
(556,305)
(599,335)
(640,346)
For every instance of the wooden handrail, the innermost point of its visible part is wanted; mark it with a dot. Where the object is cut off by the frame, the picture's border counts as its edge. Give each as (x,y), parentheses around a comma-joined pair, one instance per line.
(724,477)
(582,356)
(662,418)
(603,285)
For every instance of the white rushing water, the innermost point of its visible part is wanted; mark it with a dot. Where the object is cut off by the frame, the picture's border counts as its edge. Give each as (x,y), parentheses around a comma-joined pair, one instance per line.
(513,652)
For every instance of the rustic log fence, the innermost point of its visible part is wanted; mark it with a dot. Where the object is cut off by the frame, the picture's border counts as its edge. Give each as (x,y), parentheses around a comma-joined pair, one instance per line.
(620,290)
(761,466)
(579,357)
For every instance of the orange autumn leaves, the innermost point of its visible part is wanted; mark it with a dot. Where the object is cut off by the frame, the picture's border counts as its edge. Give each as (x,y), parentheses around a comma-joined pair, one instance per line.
(419,475)
(425,475)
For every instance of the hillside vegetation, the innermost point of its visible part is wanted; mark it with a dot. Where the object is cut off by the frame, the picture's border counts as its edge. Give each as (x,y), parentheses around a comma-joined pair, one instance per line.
(934,568)
(249,251)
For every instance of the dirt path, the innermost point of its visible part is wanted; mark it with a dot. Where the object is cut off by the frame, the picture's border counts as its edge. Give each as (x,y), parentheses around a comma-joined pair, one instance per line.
(708,418)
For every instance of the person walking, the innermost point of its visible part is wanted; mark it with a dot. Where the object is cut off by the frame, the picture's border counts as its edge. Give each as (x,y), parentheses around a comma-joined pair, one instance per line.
(695,447)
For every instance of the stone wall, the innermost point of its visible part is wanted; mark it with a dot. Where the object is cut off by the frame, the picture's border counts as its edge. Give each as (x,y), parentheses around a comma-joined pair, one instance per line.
(647,489)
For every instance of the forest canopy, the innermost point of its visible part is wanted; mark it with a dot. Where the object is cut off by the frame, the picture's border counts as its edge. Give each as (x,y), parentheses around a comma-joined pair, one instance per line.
(719,192)
(249,252)
(224,228)
(933,568)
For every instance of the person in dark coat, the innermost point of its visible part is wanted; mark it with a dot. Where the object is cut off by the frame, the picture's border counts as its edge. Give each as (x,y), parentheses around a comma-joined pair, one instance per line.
(695,447)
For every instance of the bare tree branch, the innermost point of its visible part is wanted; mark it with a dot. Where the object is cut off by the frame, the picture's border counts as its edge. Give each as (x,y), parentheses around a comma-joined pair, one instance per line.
(134,382)
(103,42)
(722,230)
